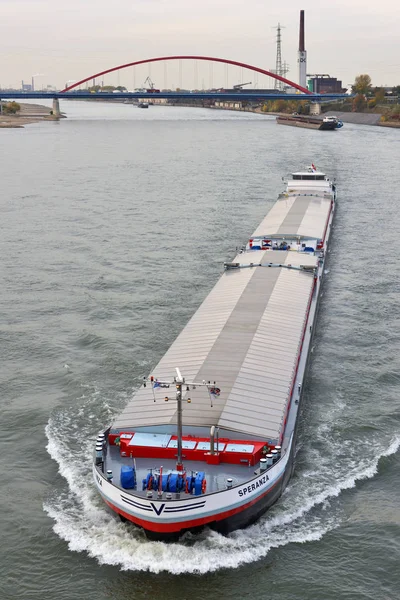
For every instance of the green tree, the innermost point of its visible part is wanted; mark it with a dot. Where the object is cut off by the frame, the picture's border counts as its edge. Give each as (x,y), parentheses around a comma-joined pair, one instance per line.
(302,107)
(359,103)
(379,95)
(11,108)
(362,84)
(395,113)
(278,106)
(291,106)
(267,107)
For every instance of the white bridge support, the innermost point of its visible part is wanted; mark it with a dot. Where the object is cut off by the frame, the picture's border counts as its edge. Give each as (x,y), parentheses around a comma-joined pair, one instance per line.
(315,108)
(56,107)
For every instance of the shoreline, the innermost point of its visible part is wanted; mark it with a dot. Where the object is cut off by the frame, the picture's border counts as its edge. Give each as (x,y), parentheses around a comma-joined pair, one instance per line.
(29,113)
(35,113)
(353,118)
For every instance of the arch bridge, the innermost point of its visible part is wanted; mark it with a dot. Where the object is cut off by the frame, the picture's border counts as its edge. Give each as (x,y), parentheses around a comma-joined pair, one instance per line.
(211,59)
(71,92)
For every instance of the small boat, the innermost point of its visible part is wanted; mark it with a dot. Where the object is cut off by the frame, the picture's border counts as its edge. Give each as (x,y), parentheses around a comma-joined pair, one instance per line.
(209,437)
(338,123)
(308,122)
(143,105)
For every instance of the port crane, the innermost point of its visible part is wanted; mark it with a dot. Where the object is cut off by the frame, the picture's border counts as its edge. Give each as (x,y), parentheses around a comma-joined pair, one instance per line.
(151,89)
(149,81)
(239,86)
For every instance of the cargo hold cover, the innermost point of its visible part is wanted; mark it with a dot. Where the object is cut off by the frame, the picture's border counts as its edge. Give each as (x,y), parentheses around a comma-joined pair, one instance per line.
(246,336)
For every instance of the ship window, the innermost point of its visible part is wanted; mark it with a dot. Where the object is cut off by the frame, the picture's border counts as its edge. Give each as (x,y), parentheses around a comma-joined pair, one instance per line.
(309,177)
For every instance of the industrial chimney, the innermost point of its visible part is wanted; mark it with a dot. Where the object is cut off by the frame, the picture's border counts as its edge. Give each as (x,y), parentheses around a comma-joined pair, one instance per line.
(302,54)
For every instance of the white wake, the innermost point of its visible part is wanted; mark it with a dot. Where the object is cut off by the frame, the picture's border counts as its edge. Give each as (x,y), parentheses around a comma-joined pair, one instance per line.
(305,512)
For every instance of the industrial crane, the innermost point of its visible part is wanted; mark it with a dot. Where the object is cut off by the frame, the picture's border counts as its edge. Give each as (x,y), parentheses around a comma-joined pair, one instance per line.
(239,86)
(151,89)
(149,81)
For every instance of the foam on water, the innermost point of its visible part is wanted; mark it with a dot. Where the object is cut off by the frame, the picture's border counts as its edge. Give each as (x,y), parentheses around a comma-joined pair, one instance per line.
(306,511)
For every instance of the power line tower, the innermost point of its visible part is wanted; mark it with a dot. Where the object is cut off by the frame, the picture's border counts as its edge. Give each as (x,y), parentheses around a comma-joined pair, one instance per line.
(285,68)
(278,64)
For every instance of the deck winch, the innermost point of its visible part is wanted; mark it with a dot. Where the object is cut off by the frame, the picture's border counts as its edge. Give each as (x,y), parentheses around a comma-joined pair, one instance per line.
(128,477)
(176,482)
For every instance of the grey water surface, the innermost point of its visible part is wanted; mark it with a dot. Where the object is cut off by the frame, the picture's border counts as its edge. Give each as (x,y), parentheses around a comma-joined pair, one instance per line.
(114,225)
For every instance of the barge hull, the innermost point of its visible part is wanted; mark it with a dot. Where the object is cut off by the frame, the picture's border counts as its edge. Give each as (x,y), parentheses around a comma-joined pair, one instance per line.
(307,123)
(255,328)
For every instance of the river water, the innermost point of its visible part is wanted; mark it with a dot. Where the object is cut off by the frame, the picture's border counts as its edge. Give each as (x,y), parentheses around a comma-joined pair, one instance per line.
(114,226)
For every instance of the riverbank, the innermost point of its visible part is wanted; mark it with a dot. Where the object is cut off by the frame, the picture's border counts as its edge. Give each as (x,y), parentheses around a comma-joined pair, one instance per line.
(354,118)
(29,113)
(394,124)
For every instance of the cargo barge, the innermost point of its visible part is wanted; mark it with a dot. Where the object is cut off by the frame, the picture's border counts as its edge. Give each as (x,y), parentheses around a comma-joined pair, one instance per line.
(325,124)
(209,437)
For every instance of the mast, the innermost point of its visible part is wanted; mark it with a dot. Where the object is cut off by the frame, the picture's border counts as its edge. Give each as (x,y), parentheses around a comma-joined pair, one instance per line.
(179,382)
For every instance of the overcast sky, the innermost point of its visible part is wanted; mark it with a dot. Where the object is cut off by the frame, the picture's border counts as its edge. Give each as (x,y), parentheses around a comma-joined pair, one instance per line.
(70,39)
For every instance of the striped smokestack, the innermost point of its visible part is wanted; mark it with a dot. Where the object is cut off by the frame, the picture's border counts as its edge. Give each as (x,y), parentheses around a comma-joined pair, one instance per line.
(302,54)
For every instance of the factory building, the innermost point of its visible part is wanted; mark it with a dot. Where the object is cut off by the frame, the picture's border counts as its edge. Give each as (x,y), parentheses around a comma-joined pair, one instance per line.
(324,84)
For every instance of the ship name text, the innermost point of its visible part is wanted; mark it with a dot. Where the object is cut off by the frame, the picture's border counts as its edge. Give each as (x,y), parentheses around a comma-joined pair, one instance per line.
(252,487)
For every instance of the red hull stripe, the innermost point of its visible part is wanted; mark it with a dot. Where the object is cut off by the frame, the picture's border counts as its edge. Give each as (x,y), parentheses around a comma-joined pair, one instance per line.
(174,527)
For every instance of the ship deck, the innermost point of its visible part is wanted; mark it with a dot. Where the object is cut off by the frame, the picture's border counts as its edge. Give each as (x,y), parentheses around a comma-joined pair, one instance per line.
(215,475)
(239,364)
(301,212)
(247,334)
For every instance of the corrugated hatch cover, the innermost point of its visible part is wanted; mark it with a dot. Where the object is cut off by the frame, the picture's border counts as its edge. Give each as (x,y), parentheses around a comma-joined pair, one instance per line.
(304,214)
(246,336)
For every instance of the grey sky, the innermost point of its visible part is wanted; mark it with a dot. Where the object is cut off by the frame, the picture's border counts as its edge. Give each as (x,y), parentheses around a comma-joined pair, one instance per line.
(72,39)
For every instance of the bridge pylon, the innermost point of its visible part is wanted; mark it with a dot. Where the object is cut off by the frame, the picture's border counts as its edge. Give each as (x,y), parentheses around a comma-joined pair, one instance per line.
(56,108)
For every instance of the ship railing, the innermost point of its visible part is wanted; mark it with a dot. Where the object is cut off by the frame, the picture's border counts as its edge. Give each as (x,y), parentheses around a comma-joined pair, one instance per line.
(296,194)
(229,266)
(287,242)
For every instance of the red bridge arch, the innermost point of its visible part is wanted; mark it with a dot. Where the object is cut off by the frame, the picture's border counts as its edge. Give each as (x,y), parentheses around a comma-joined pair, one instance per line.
(207,58)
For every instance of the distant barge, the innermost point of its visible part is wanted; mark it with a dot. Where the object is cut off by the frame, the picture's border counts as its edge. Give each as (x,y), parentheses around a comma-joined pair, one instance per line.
(325,124)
